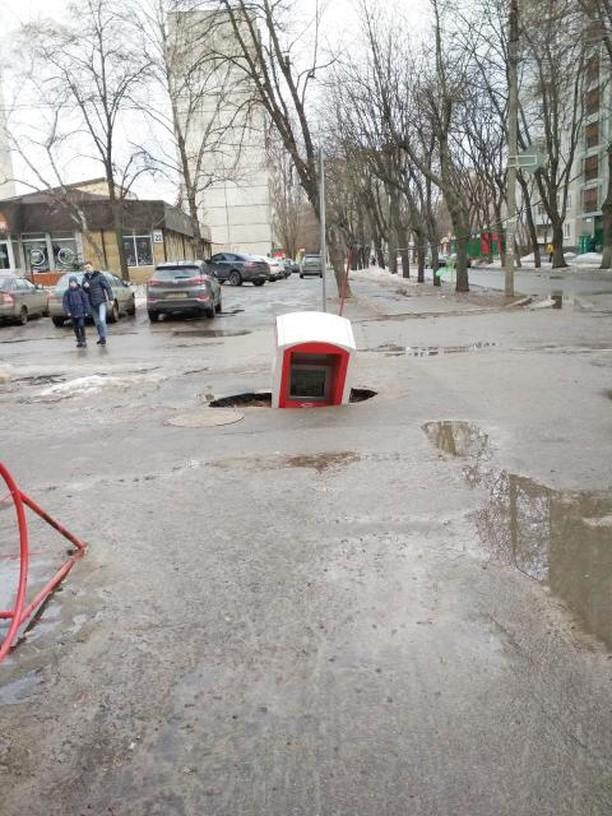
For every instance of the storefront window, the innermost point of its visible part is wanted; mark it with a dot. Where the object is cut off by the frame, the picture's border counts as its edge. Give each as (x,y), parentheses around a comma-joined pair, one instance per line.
(138,250)
(65,255)
(35,252)
(5,261)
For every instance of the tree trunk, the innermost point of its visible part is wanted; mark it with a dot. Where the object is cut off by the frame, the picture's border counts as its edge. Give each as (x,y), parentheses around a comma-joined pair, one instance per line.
(405,256)
(392,249)
(380,255)
(118,230)
(463,284)
(531,227)
(435,257)
(195,226)
(606,209)
(336,256)
(420,242)
(557,231)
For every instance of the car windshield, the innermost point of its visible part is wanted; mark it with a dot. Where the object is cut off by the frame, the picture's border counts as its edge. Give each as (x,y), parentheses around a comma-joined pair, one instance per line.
(177,272)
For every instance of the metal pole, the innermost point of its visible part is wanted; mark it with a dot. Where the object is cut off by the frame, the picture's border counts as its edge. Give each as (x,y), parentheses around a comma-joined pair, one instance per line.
(323,230)
(512,125)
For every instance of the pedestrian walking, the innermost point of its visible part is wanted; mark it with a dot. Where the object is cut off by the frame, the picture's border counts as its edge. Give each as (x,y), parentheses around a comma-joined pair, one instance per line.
(76,306)
(99,293)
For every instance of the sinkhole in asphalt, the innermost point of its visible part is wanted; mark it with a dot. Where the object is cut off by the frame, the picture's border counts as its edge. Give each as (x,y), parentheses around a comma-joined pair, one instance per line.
(263,399)
(560,538)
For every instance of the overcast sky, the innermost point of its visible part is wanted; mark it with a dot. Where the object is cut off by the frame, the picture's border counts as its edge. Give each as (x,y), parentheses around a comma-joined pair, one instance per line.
(340,28)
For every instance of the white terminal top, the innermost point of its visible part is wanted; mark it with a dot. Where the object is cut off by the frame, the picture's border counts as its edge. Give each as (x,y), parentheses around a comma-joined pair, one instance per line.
(314,327)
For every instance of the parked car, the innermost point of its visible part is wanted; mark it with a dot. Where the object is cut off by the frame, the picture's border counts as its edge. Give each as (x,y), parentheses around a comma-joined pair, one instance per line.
(311,265)
(277,270)
(20,299)
(238,268)
(183,287)
(291,267)
(124,299)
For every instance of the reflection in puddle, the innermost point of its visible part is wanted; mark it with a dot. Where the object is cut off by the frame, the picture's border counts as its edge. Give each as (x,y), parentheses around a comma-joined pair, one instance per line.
(561,538)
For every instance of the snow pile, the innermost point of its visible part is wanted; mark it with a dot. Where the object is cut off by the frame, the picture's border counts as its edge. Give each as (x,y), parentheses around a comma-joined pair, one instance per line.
(588,259)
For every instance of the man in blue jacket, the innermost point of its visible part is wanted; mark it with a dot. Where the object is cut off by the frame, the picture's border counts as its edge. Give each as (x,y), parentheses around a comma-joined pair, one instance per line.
(76,306)
(99,293)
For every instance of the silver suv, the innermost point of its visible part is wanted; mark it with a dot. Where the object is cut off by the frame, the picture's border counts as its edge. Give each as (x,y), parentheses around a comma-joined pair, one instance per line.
(311,265)
(183,287)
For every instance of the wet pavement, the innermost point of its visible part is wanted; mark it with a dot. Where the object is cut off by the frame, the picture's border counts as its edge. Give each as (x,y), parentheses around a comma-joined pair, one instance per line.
(398,606)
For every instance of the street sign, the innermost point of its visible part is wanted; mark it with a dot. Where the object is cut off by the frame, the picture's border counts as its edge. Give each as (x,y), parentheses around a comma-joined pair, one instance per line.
(530,159)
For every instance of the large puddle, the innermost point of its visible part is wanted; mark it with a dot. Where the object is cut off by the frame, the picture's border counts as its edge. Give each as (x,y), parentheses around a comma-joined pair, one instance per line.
(560,538)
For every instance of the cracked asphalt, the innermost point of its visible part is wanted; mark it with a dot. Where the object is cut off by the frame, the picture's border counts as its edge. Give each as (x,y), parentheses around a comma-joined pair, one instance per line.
(401,606)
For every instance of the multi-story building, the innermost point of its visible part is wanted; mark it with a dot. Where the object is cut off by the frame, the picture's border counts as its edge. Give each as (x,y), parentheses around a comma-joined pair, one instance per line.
(225,134)
(591,165)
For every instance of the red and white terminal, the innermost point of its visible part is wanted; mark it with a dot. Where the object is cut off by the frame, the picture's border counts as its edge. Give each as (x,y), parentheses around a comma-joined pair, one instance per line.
(312,359)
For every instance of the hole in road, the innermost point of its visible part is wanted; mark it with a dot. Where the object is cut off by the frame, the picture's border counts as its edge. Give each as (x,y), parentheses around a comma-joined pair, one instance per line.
(263,399)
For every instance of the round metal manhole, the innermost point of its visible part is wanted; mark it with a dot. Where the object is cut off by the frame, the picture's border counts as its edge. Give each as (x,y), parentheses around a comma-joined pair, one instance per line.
(205,418)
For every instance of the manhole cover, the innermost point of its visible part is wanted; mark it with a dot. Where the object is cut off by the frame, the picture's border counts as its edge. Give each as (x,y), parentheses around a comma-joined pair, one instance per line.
(205,418)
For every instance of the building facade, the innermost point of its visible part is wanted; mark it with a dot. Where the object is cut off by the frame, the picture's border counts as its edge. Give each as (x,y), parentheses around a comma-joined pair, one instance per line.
(43,236)
(225,135)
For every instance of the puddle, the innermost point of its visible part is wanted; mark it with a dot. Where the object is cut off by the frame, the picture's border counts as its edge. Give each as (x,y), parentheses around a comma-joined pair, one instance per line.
(562,539)
(321,461)
(392,349)
(263,399)
(209,333)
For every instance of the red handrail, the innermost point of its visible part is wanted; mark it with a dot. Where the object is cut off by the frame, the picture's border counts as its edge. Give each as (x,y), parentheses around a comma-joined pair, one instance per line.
(20,612)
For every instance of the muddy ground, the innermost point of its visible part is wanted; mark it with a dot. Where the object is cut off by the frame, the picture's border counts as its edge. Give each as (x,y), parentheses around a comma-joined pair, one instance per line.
(402,606)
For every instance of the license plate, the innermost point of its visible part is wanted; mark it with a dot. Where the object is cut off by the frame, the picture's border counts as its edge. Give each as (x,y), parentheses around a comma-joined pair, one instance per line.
(178,294)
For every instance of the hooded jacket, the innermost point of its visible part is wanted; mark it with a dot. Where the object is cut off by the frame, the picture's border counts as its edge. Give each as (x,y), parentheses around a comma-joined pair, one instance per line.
(97,288)
(75,301)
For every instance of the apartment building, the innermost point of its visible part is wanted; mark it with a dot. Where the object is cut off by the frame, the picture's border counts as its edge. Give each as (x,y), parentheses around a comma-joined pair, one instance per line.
(225,134)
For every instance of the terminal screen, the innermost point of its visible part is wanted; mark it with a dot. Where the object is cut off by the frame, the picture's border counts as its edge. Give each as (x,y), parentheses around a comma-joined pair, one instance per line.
(309,382)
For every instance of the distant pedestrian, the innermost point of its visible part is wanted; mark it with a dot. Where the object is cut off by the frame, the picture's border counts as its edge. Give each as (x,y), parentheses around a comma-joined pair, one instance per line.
(76,306)
(99,293)
(550,249)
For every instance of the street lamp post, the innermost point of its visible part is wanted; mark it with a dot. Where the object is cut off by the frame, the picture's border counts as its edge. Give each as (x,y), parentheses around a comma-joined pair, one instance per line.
(323,230)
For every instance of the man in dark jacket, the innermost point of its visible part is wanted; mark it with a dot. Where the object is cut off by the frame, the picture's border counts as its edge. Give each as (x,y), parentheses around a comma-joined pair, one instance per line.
(99,293)
(76,306)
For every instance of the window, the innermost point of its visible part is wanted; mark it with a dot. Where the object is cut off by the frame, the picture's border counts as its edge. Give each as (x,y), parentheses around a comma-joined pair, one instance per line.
(5,261)
(566,230)
(138,250)
(36,253)
(591,168)
(591,135)
(590,200)
(592,69)
(65,255)
(592,101)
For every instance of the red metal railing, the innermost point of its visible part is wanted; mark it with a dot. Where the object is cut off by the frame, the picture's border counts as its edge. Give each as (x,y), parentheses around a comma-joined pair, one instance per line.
(22,610)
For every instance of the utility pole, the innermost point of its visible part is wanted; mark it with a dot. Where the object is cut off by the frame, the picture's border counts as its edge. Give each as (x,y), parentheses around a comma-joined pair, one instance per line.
(512,127)
(323,229)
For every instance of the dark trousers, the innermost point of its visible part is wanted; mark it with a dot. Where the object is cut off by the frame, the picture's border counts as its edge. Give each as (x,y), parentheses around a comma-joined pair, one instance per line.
(78,325)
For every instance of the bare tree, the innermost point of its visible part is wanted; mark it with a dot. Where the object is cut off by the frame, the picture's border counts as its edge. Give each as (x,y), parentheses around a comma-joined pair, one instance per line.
(90,69)
(269,52)
(288,198)
(553,107)
(201,124)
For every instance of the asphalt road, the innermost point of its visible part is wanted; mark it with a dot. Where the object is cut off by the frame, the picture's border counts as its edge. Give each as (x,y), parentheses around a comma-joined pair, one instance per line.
(396,607)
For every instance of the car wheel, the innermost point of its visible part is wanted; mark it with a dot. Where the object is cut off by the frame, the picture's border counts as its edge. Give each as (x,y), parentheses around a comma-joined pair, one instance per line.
(235,278)
(321,275)
(219,307)
(210,313)
(153,317)
(23,316)
(301,277)
(113,315)
(258,283)
(132,307)
(58,322)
